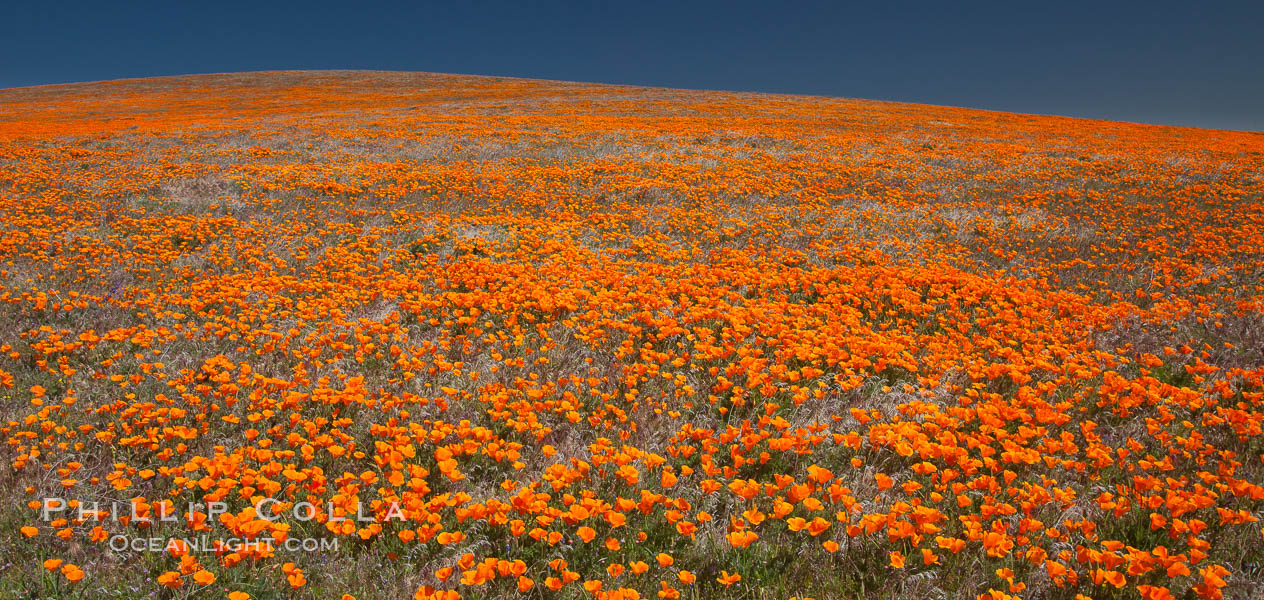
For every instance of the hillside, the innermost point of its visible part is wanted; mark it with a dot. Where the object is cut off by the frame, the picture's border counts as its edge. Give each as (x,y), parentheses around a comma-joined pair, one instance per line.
(561,340)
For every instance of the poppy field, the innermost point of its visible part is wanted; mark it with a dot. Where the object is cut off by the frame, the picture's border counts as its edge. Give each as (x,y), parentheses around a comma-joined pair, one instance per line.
(473,337)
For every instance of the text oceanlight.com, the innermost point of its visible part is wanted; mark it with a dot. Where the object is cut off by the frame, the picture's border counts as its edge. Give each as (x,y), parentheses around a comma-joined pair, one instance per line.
(123,543)
(268,509)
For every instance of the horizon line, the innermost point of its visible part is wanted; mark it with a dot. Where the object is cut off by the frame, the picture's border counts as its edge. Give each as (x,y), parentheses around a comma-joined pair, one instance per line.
(628,85)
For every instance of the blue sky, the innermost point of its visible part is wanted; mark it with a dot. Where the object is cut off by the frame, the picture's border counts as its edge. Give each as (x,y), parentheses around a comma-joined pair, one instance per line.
(1183,63)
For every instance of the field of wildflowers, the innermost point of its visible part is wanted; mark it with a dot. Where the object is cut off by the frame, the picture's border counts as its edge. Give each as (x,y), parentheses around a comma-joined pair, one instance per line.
(496,338)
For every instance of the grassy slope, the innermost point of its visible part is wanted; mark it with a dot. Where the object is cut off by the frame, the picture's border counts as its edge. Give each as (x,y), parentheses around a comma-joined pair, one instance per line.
(1045,331)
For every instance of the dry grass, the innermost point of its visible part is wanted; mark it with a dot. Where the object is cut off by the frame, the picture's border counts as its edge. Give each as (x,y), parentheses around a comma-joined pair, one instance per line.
(226,280)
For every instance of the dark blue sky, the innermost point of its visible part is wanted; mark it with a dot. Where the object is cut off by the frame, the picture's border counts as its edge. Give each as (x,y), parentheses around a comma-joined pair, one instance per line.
(1184,63)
